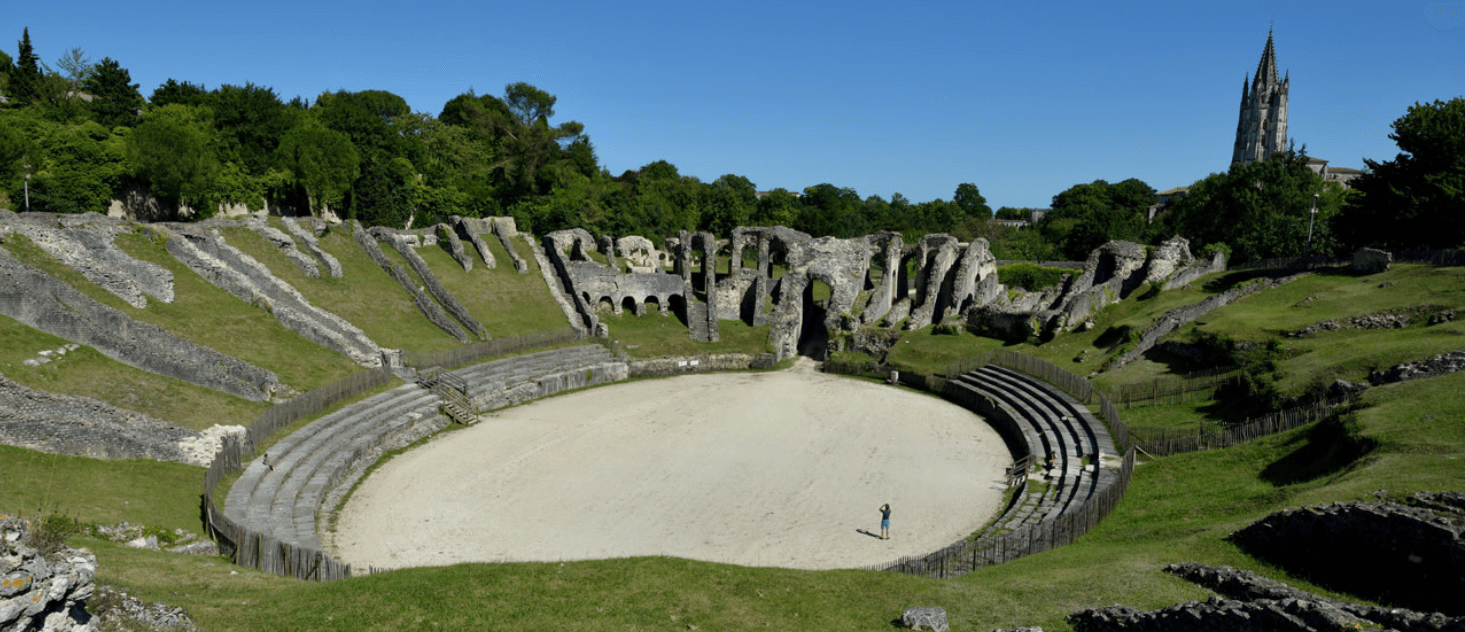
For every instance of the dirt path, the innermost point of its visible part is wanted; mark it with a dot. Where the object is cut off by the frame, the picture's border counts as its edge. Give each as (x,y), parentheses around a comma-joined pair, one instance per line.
(771,469)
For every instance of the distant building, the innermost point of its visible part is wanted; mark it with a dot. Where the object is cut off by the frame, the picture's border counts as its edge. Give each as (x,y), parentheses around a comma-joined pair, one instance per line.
(1341,175)
(1163,199)
(1261,127)
(797,194)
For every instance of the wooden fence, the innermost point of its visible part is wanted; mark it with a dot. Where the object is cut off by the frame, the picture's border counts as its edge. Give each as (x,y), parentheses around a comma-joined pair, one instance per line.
(261,550)
(968,555)
(453,358)
(1293,263)
(1179,389)
(1167,441)
(1432,257)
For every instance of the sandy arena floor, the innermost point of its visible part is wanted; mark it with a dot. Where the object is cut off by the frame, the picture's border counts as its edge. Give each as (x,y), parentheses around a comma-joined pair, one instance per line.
(780,469)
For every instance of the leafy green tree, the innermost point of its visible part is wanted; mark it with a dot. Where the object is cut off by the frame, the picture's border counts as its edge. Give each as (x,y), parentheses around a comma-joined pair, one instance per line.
(115,99)
(831,210)
(1008,212)
(1086,216)
(1262,209)
(382,194)
(185,93)
(251,120)
(323,161)
(1418,198)
(517,132)
(172,149)
(76,167)
(971,203)
(777,208)
(728,202)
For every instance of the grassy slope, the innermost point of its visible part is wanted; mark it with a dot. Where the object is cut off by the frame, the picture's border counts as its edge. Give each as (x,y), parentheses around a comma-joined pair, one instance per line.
(143,492)
(88,373)
(206,315)
(365,295)
(506,302)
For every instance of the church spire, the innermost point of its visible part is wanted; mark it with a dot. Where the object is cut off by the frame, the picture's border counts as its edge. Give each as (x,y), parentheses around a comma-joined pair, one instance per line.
(1261,127)
(1266,69)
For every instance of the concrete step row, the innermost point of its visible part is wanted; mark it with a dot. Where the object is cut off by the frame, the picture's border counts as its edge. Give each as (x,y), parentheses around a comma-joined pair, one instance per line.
(281,492)
(1059,431)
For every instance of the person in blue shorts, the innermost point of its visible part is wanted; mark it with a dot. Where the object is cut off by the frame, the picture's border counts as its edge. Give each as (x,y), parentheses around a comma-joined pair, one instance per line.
(885,521)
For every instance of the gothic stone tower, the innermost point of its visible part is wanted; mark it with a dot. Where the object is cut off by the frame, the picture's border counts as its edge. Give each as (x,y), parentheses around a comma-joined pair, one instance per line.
(1262,127)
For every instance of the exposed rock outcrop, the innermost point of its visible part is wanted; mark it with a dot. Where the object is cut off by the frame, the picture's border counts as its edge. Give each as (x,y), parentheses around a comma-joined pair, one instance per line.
(473,229)
(430,280)
(430,309)
(1372,260)
(42,590)
(1173,319)
(286,245)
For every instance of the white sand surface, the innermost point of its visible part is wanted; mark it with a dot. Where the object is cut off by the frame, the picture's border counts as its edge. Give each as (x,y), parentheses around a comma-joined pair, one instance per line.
(783,469)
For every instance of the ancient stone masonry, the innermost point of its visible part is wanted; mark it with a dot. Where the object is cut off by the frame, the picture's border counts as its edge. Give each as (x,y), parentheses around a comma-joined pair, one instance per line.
(37,300)
(286,245)
(312,243)
(975,282)
(1249,601)
(434,287)
(1174,318)
(701,316)
(455,246)
(81,426)
(639,254)
(506,231)
(1441,364)
(935,254)
(582,318)
(89,249)
(890,247)
(1409,553)
(593,283)
(42,590)
(1111,273)
(473,230)
(237,273)
(429,308)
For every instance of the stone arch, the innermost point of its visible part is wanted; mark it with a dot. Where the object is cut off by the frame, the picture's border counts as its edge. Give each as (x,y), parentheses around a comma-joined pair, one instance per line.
(606,305)
(629,302)
(658,301)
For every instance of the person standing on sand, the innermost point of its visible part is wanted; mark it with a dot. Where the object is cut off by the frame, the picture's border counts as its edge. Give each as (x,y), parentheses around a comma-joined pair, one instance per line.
(885,521)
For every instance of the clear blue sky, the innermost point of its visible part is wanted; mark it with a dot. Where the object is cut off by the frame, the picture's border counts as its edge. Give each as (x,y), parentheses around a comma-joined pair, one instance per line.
(1023,100)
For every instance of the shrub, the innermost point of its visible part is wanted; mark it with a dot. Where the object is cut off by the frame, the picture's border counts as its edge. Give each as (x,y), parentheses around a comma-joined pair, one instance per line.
(1029,276)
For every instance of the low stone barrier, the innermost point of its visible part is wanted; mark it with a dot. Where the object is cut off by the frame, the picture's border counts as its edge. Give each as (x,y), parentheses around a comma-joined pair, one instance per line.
(699,364)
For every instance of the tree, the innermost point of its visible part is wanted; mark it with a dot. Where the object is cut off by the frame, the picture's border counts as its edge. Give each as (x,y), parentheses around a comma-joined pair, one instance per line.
(75,67)
(251,119)
(1086,216)
(1261,209)
(27,71)
(185,93)
(728,203)
(115,99)
(1418,198)
(777,208)
(971,203)
(172,149)
(322,161)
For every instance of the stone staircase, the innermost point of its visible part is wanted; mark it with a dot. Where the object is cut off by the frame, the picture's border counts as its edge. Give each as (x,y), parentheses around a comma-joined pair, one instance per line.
(697,321)
(281,492)
(1066,441)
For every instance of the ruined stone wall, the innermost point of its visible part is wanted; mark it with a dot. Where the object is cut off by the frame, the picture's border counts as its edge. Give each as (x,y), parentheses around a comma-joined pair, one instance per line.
(430,280)
(430,309)
(39,301)
(312,243)
(207,253)
(657,367)
(287,247)
(89,249)
(81,426)
(499,393)
(1174,318)
(583,322)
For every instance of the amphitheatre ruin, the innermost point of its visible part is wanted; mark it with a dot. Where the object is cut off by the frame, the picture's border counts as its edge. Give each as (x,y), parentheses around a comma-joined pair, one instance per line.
(407,458)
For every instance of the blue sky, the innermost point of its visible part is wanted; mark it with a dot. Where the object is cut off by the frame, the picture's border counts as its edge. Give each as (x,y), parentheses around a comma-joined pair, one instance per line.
(1023,100)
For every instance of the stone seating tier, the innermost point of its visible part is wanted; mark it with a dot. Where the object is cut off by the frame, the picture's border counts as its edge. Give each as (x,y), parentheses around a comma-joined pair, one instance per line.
(1058,429)
(284,497)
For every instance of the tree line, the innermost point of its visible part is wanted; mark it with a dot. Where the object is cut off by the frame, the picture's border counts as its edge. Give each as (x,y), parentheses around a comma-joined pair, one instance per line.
(84,134)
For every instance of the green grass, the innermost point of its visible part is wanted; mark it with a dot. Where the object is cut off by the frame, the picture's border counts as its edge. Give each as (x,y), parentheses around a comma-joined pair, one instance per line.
(153,493)
(205,315)
(88,373)
(655,335)
(506,302)
(365,295)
